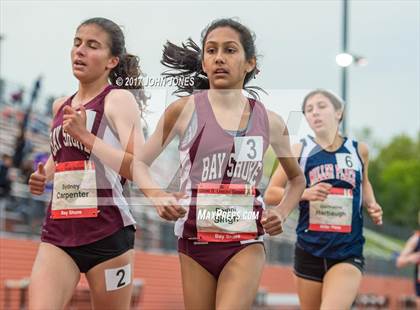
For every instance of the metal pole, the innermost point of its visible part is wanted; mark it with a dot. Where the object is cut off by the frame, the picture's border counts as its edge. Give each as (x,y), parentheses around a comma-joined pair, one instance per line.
(2,82)
(344,69)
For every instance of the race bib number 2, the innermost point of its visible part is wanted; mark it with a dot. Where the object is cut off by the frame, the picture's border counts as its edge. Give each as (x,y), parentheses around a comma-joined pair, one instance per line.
(75,191)
(117,278)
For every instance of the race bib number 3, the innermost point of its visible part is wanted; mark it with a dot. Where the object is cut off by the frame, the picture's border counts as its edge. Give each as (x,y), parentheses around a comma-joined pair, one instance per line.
(225,213)
(75,190)
(248,148)
(334,214)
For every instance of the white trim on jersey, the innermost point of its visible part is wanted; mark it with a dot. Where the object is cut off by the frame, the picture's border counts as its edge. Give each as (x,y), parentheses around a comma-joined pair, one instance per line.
(114,180)
(349,145)
(185,183)
(90,119)
(307,148)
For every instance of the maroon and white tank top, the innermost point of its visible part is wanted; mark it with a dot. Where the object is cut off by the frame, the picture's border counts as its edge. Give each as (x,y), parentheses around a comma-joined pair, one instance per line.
(87,201)
(220,173)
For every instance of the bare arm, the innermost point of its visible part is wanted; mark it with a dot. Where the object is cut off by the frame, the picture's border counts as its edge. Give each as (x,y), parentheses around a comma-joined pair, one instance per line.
(45,172)
(123,115)
(279,139)
(172,123)
(275,190)
(166,129)
(407,255)
(369,201)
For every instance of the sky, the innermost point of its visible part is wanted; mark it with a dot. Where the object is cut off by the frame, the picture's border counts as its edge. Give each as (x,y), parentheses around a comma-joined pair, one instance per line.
(297,42)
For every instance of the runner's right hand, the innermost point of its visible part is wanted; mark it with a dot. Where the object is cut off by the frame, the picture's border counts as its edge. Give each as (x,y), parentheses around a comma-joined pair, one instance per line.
(167,205)
(272,222)
(318,192)
(37,180)
(414,258)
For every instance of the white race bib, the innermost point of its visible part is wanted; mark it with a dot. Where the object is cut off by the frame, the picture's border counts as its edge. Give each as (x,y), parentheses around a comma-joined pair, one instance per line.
(225,212)
(117,278)
(334,214)
(75,190)
(346,161)
(248,148)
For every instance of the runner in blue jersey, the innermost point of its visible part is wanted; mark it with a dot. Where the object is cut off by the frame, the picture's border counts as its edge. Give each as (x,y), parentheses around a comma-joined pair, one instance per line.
(329,249)
(410,255)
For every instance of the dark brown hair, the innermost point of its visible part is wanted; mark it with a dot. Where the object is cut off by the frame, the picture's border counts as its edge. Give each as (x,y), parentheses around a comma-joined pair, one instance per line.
(185,60)
(335,100)
(128,65)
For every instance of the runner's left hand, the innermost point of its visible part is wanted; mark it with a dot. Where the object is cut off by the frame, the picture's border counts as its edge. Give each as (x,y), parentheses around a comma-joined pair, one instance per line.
(375,212)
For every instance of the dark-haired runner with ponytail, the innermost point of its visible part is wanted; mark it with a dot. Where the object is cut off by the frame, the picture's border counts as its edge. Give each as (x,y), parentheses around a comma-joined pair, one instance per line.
(88,228)
(223,136)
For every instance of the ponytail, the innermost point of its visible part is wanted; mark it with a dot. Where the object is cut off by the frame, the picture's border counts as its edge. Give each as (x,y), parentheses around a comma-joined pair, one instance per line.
(185,61)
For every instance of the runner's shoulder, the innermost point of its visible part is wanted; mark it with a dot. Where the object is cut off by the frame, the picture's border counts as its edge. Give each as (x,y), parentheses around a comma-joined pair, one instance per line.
(58,103)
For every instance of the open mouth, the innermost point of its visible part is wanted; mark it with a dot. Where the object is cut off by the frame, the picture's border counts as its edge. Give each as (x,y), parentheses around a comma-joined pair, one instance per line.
(221,71)
(79,64)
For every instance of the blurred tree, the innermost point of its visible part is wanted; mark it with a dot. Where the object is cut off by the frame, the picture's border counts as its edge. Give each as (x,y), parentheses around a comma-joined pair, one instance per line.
(395,176)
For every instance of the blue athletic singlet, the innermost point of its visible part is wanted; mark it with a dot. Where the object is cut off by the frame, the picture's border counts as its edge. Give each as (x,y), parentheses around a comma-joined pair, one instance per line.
(417,268)
(333,228)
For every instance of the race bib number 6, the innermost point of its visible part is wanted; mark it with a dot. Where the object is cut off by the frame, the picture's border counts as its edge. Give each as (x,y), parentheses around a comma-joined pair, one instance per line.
(346,161)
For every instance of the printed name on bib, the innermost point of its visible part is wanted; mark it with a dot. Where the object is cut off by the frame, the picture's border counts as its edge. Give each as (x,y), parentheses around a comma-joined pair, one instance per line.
(75,190)
(334,214)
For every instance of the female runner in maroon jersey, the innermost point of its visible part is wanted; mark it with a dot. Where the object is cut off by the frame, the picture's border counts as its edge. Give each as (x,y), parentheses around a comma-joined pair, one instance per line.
(88,228)
(223,136)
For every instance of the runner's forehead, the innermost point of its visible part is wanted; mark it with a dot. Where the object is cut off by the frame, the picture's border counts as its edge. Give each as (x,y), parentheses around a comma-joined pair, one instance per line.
(92,33)
(223,35)
(317,99)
